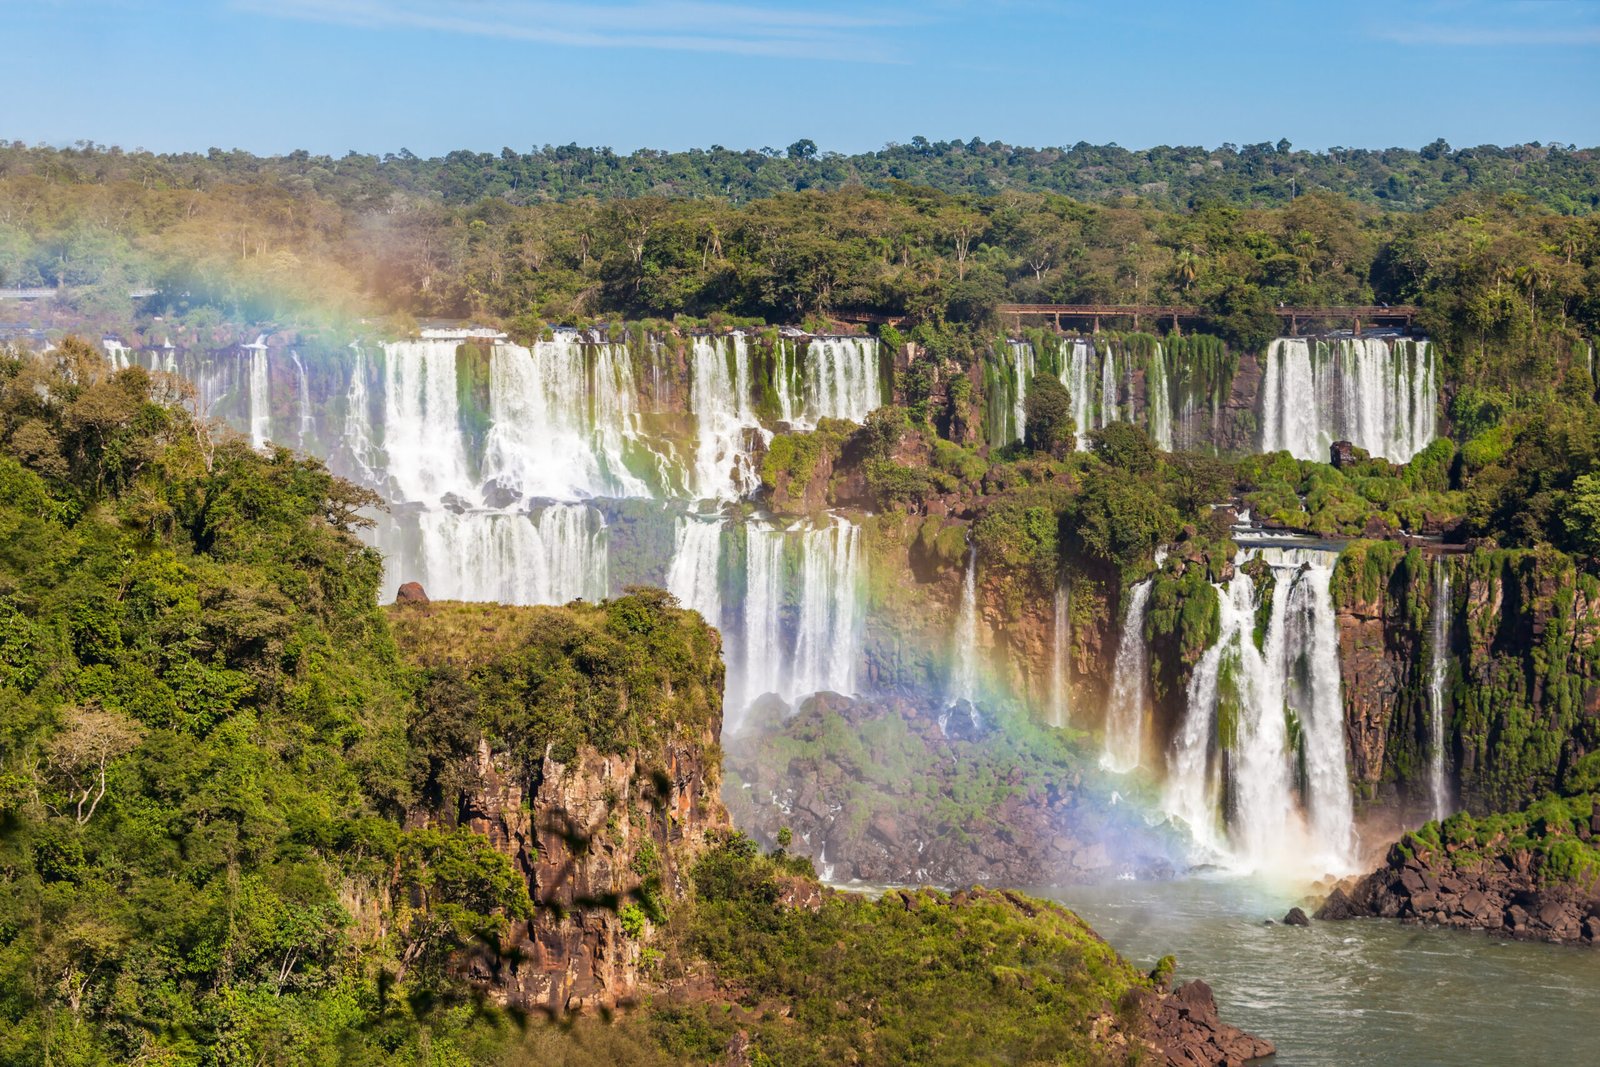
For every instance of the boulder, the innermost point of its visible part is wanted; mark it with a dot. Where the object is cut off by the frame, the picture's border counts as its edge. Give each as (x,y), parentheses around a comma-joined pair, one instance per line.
(1296,917)
(411,593)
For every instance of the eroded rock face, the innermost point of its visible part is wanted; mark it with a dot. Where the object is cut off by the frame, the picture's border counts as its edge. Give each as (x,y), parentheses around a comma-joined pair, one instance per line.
(1185,1029)
(589,837)
(1505,894)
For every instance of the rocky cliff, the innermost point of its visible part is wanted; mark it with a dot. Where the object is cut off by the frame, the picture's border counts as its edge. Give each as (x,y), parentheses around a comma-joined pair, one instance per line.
(1521,674)
(1533,875)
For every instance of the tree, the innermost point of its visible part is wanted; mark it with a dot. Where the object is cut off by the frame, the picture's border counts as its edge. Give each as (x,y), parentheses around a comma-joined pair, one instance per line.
(803,149)
(1048,407)
(1582,518)
(80,755)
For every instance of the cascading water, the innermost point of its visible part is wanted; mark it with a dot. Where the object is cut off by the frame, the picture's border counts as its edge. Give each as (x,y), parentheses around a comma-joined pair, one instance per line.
(1158,398)
(1258,768)
(1438,676)
(303,400)
(1076,360)
(764,658)
(1060,653)
(964,640)
(695,574)
(1108,388)
(841,379)
(720,396)
(1380,394)
(830,577)
(1130,684)
(1022,370)
(357,438)
(801,613)
(260,394)
(551,556)
(422,438)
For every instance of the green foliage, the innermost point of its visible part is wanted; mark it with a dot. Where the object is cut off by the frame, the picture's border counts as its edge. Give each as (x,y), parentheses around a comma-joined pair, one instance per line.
(949,979)
(1050,427)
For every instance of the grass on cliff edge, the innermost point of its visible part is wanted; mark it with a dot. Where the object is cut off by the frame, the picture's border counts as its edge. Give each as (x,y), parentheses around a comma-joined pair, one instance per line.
(909,977)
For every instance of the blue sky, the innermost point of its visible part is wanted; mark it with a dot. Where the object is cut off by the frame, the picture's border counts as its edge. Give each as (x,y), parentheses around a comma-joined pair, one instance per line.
(431,75)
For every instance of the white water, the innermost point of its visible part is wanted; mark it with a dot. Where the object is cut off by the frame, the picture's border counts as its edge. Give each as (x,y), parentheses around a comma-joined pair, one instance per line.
(358,437)
(964,639)
(1380,395)
(1108,388)
(552,556)
(1076,361)
(1022,370)
(303,400)
(720,398)
(1060,653)
(764,656)
(1438,675)
(694,576)
(260,395)
(1248,789)
(1130,685)
(421,420)
(1158,398)
(841,379)
(828,638)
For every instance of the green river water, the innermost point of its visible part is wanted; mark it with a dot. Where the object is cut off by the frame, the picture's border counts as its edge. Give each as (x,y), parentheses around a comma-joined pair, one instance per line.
(1362,992)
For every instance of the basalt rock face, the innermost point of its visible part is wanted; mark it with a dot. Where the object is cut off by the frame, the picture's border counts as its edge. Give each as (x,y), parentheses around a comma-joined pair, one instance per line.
(1510,893)
(880,791)
(587,839)
(1521,678)
(1185,1029)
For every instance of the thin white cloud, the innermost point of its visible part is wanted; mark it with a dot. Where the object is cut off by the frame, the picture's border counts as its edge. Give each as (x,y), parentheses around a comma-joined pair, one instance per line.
(1489,37)
(1477,24)
(675,25)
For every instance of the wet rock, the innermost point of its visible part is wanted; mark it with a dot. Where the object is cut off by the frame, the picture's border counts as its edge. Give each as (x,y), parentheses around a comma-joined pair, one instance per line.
(1296,917)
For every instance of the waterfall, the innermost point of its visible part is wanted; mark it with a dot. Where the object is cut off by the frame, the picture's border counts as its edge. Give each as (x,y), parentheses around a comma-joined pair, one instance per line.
(552,556)
(841,378)
(1258,768)
(1022,369)
(964,640)
(307,429)
(616,420)
(1108,388)
(720,396)
(541,440)
(260,394)
(1060,652)
(1075,375)
(421,420)
(117,354)
(694,576)
(764,658)
(1380,395)
(1158,399)
(358,417)
(825,647)
(783,381)
(802,620)
(1438,675)
(1130,682)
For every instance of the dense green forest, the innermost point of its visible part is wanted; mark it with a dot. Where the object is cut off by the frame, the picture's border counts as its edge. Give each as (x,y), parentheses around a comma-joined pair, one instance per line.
(1563,177)
(234,238)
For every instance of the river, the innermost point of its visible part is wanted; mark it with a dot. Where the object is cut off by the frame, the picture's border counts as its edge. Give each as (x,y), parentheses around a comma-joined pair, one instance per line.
(1361,992)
